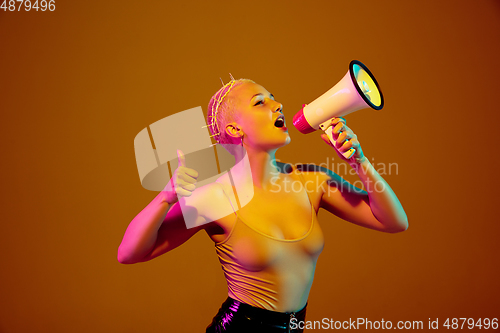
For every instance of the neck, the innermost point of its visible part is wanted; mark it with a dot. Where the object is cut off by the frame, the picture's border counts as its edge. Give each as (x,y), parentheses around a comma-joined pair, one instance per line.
(261,164)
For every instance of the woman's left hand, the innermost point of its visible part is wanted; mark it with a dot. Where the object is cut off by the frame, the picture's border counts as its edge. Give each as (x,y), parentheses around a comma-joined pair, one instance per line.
(341,133)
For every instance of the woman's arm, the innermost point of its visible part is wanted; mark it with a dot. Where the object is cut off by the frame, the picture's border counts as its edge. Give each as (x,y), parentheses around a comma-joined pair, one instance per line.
(383,202)
(141,234)
(378,207)
(160,223)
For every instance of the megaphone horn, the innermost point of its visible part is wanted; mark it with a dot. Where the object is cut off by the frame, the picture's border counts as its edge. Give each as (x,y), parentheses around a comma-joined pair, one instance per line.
(357,90)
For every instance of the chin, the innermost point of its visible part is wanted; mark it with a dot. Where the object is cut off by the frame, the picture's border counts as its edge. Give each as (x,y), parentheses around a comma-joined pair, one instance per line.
(275,143)
(285,142)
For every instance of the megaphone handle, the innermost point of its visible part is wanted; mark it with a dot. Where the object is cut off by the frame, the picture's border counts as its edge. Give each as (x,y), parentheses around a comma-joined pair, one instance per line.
(348,154)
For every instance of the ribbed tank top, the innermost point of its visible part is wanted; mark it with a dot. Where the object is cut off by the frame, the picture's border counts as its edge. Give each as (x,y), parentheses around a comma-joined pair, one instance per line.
(267,272)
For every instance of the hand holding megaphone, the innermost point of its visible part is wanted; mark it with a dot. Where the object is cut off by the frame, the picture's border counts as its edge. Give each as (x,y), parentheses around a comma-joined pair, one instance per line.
(342,138)
(357,90)
(183,181)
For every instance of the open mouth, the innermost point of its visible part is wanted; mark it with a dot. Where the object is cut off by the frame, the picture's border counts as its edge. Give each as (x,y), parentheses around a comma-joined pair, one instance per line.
(280,121)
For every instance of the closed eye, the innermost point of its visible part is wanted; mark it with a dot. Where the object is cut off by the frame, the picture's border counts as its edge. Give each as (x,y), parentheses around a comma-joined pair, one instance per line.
(259,102)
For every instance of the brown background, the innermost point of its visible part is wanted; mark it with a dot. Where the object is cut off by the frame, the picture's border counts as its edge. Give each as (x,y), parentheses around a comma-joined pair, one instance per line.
(78,84)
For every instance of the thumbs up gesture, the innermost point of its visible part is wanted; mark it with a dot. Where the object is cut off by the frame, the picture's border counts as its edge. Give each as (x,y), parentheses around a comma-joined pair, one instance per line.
(182,183)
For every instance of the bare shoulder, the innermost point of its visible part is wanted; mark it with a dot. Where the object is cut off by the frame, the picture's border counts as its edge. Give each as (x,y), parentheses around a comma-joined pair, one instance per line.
(307,171)
(208,208)
(323,184)
(321,176)
(313,171)
(210,201)
(205,196)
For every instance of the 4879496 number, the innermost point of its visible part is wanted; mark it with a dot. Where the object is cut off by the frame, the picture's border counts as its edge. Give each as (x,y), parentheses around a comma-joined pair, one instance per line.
(27,5)
(470,323)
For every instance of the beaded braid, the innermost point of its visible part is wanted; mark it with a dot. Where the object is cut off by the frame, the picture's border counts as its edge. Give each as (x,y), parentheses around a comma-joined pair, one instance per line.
(218,109)
(218,98)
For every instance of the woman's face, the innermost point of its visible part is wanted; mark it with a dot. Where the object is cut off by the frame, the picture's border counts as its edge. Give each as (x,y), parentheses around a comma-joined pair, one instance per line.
(257,116)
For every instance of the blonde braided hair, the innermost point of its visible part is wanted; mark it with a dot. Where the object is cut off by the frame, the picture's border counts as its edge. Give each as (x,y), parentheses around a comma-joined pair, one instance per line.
(221,111)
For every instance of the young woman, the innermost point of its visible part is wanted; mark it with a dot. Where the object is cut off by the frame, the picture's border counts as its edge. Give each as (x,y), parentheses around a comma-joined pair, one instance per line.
(262,214)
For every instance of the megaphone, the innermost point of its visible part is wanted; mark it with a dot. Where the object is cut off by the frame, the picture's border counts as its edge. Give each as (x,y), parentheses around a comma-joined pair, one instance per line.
(357,90)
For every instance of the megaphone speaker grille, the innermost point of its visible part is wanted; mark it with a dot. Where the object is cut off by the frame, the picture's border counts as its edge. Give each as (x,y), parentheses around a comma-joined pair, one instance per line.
(366,85)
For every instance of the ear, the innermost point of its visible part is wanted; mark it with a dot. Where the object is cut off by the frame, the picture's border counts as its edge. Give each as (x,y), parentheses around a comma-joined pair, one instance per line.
(233,130)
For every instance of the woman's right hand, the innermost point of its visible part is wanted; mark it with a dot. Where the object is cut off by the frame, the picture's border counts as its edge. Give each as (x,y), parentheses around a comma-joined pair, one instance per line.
(183,182)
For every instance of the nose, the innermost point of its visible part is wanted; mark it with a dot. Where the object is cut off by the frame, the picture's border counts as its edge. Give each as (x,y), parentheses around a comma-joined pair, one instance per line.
(279,108)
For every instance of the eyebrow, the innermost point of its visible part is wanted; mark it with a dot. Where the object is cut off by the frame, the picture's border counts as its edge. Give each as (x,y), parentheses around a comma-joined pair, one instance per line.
(272,96)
